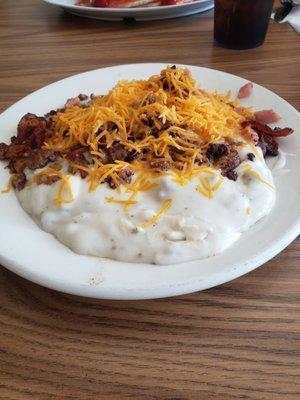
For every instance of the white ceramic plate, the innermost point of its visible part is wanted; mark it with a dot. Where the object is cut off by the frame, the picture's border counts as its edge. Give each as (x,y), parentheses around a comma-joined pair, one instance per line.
(139,13)
(38,256)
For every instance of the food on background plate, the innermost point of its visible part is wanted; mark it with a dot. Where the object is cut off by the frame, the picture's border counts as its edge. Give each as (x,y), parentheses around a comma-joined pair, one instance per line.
(157,170)
(130,3)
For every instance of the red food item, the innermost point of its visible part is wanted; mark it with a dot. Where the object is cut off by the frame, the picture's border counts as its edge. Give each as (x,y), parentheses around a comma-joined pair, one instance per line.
(100,3)
(245,91)
(74,101)
(249,134)
(168,2)
(267,116)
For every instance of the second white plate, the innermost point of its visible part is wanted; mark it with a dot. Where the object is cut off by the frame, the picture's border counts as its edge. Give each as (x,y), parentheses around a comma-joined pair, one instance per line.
(139,13)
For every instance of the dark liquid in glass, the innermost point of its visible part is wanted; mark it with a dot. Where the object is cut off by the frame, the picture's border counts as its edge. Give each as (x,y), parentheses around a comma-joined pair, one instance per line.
(241,24)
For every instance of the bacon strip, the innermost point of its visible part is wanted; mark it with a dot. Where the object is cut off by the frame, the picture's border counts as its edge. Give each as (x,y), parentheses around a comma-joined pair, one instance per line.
(266,130)
(281,132)
(258,127)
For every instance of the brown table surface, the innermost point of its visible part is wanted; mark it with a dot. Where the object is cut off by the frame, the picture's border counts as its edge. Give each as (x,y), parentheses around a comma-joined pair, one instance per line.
(237,341)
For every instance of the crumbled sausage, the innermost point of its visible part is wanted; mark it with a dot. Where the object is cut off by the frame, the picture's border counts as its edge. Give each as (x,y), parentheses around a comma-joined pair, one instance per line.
(230,161)
(161,165)
(216,150)
(73,170)
(232,175)
(48,179)
(77,154)
(148,121)
(117,152)
(111,126)
(126,174)
(150,99)
(225,157)
(262,144)
(167,125)
(271,146)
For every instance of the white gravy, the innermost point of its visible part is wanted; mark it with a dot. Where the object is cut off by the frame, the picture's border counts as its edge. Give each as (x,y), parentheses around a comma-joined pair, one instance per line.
(194,227)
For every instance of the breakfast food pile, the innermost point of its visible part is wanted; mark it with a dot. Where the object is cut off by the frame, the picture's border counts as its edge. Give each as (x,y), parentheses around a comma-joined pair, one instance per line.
(182,168)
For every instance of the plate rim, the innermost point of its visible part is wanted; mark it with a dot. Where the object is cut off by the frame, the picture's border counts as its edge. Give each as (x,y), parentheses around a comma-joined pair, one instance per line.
(160,290)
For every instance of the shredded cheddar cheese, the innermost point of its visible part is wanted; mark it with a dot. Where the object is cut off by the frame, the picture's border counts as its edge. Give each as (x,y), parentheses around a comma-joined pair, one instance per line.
(64,193)
(8,188)
(126,202)
(164,208)
(188,119)
(251,171)
(205,187)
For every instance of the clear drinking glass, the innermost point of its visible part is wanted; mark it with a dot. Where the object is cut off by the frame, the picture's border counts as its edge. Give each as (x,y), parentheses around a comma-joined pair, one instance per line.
(241,24)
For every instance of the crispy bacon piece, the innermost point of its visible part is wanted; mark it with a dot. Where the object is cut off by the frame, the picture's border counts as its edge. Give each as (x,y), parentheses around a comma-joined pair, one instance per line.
(78,156)
(245,91)
(31,130)
(3,150)
(266,136)
(264,129)
(18,165)
(16,150)
(18,181)
(31,159)
(258,127)
(25,151)
(281,132)
(266,116)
